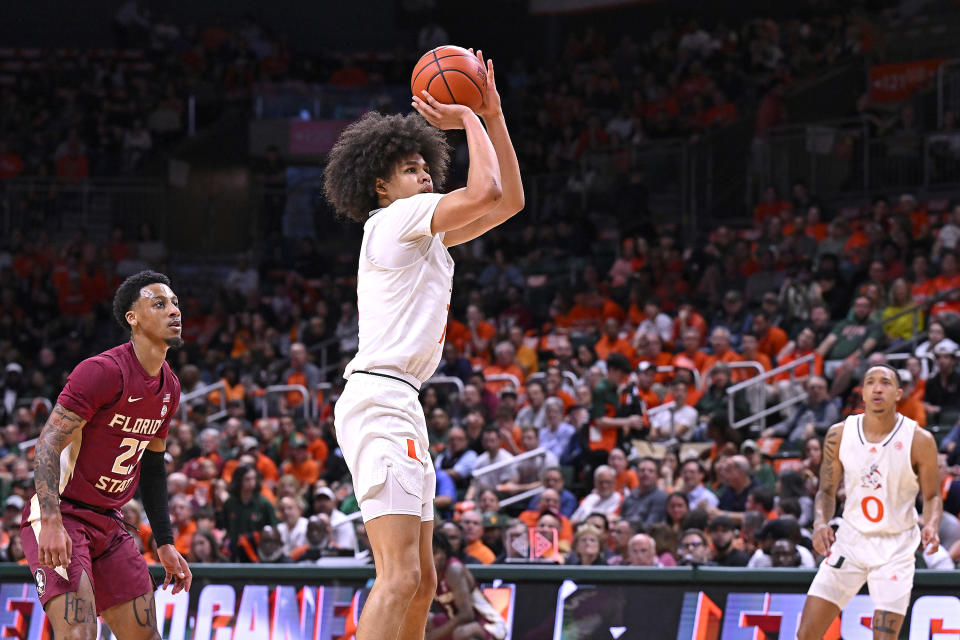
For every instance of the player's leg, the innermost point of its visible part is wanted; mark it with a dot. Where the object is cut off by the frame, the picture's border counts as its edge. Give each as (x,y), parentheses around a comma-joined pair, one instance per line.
(135,619)
(816,618)
(472,631)
(415,617)
(125,589)
(395,541)
(73,615)
(886,625)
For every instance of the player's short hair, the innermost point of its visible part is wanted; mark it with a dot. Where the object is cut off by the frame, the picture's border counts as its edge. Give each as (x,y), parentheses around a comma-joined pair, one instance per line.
(370,148)
(441,543)
(129,292)
(896,374)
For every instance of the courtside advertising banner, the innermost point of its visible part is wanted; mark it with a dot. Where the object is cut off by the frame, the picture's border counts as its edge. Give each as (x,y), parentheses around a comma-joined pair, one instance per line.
(538,603)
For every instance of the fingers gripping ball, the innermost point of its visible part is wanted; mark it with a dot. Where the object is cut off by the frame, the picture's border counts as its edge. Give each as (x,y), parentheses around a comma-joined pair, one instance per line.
(452,75)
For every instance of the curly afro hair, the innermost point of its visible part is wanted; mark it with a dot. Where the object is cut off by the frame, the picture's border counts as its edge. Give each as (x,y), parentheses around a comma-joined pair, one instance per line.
(371,148)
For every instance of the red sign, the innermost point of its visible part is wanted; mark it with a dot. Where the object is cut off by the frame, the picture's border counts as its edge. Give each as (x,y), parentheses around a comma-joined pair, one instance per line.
(897,82)
(314,137)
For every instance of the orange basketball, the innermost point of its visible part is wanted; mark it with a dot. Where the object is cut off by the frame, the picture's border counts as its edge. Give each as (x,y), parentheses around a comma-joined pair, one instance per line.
(452,75)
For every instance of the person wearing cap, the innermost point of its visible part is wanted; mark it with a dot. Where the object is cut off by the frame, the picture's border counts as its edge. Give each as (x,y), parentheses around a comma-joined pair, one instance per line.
(301,466)
(13,510)
(655,355)
(936,335)
(722,531)
(910,405)
(760,471)
(12,387)
(715,399)
(343,533)
(941,399)
(494,523)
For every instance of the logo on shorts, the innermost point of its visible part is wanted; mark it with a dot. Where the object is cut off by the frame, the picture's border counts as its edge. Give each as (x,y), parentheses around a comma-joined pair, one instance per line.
(163,411)
(870,479)
(41,579)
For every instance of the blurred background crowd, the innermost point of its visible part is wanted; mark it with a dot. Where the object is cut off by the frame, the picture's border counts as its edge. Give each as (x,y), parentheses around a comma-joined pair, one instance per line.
(664,380)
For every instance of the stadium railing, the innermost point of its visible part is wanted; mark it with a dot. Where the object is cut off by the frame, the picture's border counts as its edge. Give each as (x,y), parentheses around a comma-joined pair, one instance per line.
(203,392)
(760,384)
(440,381)
(541,376)
(512,463)
(308,404)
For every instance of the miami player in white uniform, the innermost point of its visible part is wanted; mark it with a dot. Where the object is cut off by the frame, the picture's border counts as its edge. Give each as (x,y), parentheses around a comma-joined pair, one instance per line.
(885,460)
(381,172)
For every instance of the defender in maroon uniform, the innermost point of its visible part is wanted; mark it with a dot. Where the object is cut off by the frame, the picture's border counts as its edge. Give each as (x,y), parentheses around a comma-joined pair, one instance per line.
(106,433)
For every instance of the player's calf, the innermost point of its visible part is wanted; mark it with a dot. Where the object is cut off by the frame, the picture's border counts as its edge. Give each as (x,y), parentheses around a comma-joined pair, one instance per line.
(886,625)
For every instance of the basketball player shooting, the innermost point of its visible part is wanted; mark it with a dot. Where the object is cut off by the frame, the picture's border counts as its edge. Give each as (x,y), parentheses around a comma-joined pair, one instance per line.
(106,432)
(884,459)
(382,172)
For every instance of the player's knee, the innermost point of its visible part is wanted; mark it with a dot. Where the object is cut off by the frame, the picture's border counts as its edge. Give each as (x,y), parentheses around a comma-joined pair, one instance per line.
(403,584)
(428,585)
(83,632)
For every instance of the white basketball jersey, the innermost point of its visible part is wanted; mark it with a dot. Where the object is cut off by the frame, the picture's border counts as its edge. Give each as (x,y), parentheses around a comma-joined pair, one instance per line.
(404,282)
(880,483)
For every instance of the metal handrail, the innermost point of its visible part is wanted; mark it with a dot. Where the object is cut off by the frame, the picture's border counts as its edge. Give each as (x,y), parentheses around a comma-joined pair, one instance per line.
(541,376)
(520,457)
(742,364)
(760,382)
(285,388)
(203,392)
(440,380)
(503,377)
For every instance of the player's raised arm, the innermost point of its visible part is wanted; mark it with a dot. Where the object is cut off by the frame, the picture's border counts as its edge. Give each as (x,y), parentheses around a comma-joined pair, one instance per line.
(825,503)
(923,455)
(513,199)
(61,428)
(483,191)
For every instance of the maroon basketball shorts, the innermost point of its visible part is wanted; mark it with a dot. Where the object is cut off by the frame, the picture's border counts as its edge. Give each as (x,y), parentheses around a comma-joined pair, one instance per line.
(101,547)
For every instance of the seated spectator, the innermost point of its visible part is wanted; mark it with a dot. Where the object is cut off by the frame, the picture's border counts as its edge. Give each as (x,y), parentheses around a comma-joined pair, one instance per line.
(791,485)
(245,512)
(690,357)
(204,549)
(493,524)
(642,552)
(815,416)
(626,478)
(750,352)
(533,413)
(805,344)
(779,529)
(549,503)
(472,523)
(734,318)
(715,399)
(677,508)
(604,498)
(553,479)
(948,280)
(771,339)
(936,335)
(906,326)
(941,400)
(722,349)
(691,479)
(556,433)
(910,404)
(292,526)
(181,517)
(678,422)
(621,532)
(457,459)
(722,532)
(646,504)
(759,469)
(738,484)
(849,342)
(493,453)
(270,546)
(504,363)
(654,322)
(454,534)
(612,342)
(342,532)
(587,550)
(320,543)
(301,466)
(694,549)
(784,554)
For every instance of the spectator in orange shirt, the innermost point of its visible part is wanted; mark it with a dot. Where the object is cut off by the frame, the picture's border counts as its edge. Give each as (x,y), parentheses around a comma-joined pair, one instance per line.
(626,480)
(556,386)
(770,339)
(181,517)
(611,341)
(688,318)
(301,467)
(691,357)
(922,285)
(910,405)
(644,388)
(948,279)
(720,341)
(806,342)
(481,333)
(655,356)
(750,351)
(770,205)
(233,388)
(504,364)
(472,523)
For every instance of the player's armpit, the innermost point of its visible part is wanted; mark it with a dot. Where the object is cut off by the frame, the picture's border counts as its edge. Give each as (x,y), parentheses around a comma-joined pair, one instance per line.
(61,427)
(157,444)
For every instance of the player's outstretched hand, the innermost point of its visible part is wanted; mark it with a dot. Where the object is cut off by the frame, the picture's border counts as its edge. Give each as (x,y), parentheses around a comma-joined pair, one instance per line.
(929,538)
(491,97)
(176,568)
(823,539)
(442,116)
(54,545)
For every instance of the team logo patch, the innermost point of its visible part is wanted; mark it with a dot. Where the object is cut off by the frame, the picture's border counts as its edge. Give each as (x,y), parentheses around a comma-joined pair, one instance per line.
(41,579)
(163,411)
(870,479)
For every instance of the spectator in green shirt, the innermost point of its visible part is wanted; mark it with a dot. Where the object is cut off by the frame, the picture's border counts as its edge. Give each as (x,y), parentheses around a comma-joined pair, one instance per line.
(245,512)
(848,343)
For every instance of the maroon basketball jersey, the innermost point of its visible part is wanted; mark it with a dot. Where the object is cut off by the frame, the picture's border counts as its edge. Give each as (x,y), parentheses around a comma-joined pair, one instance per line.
(125,408)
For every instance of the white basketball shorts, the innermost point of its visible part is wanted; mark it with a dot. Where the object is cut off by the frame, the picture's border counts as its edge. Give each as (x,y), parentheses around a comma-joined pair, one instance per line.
(885,562)
(383,437)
